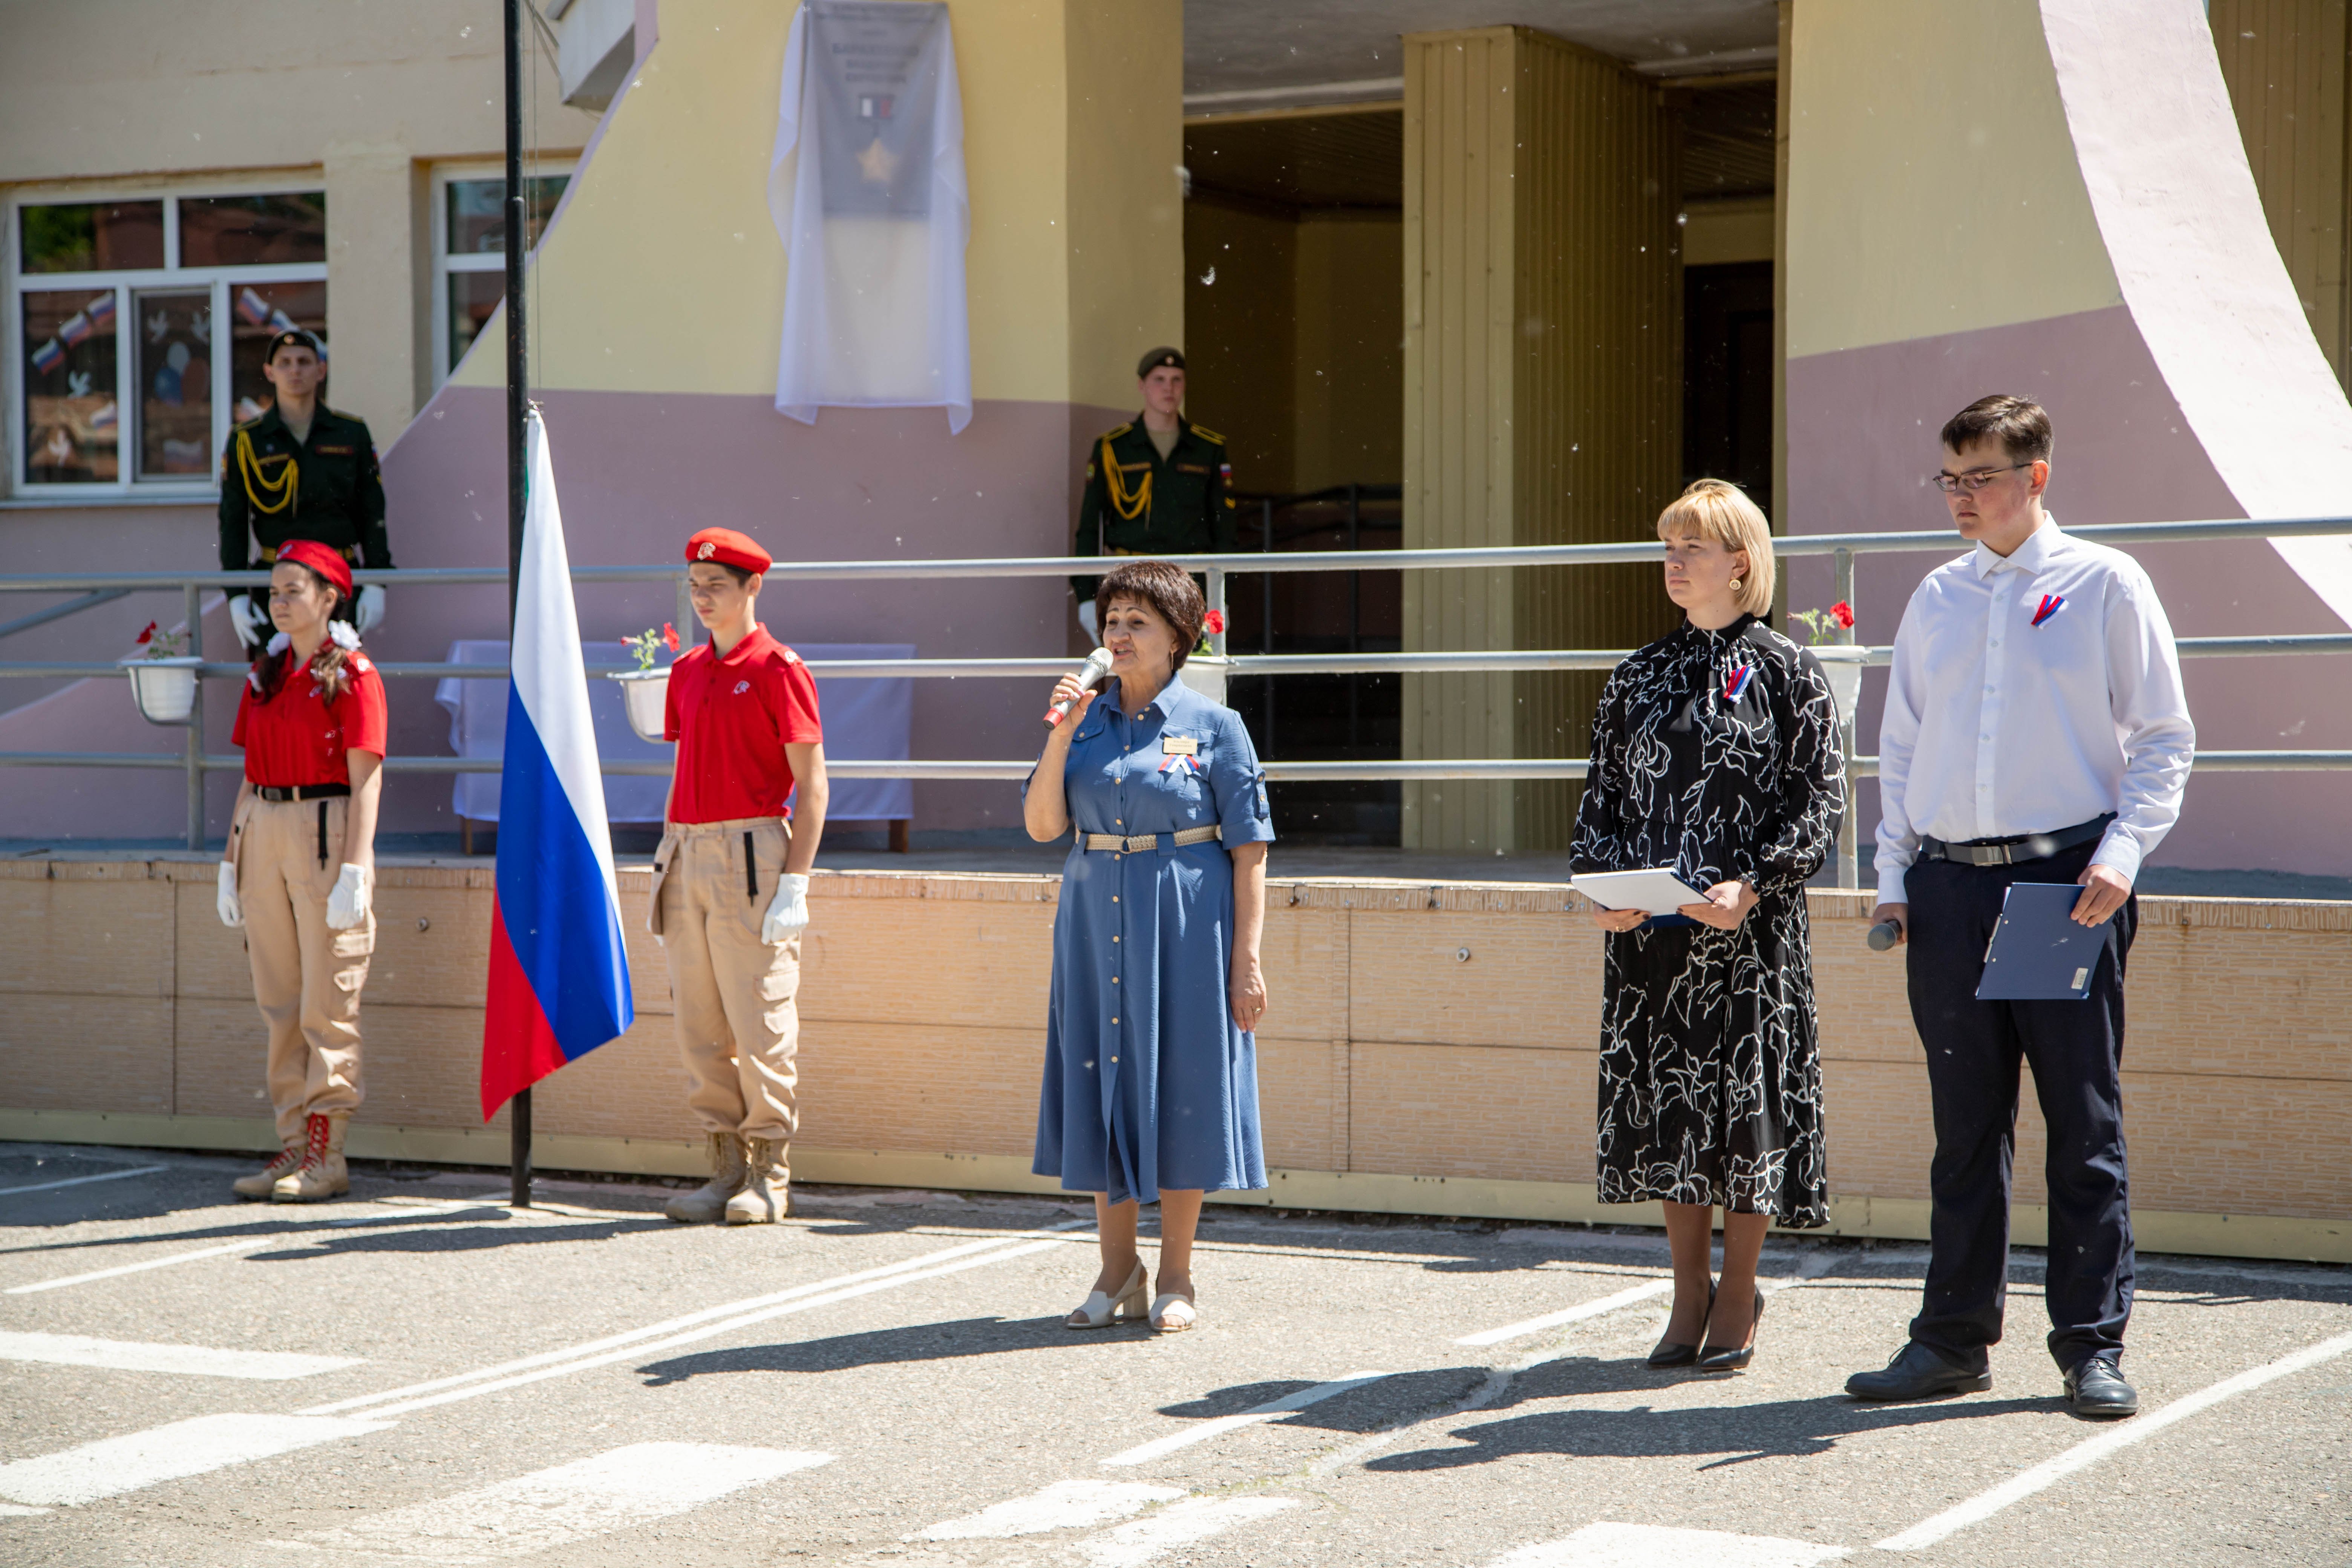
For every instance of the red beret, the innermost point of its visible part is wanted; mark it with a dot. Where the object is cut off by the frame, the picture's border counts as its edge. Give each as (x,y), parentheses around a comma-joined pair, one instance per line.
(727,548)
(326,562)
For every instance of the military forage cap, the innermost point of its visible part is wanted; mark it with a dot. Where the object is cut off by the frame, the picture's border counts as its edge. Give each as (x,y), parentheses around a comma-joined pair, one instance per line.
(1173,358)
(295,338)
(726,547)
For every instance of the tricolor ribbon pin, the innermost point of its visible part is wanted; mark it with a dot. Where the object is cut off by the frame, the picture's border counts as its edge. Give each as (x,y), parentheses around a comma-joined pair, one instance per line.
(1737,683)
(2050,604)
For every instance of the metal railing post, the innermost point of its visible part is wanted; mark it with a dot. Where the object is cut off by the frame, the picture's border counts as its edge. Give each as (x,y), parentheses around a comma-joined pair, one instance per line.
(1849,854)
(193,740)
(686,623)
(1266,609)
(1217,607)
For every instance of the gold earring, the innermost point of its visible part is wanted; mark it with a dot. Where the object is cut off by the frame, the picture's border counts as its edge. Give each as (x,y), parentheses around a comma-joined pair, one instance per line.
(1735,584)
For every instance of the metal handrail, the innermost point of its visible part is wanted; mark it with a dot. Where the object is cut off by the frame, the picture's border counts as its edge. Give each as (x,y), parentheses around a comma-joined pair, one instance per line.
(1841,548)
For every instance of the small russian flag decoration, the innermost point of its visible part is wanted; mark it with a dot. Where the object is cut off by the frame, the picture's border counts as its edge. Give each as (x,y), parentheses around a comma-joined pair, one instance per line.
(1735,686)
(2050,604)
(48,356)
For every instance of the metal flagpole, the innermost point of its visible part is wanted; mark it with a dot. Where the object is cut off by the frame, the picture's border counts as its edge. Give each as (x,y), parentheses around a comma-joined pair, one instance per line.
(519,1108)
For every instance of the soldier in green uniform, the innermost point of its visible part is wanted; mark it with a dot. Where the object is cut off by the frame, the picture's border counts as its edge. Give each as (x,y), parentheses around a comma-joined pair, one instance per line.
(300,471)
(1157,486)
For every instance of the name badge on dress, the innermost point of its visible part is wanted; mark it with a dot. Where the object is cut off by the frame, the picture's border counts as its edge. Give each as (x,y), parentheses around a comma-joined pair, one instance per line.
(1180,745)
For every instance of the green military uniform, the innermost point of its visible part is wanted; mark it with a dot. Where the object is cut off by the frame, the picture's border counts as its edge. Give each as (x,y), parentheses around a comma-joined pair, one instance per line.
(326,488)
(1139,504)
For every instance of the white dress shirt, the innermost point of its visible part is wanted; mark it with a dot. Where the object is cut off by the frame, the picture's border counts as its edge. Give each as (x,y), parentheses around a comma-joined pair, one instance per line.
(1997,726)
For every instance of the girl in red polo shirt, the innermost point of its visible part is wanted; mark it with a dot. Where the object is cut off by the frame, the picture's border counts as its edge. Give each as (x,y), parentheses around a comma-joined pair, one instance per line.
(301,871)
(731,879)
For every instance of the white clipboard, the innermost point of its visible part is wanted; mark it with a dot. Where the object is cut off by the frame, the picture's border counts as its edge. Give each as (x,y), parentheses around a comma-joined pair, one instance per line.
(1655,891)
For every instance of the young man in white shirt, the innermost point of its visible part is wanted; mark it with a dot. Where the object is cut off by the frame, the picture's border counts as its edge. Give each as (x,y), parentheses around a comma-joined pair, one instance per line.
(2035,731)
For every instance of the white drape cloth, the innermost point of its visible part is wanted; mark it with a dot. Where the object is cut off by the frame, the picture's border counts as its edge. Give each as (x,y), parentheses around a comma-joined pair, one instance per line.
(866,187)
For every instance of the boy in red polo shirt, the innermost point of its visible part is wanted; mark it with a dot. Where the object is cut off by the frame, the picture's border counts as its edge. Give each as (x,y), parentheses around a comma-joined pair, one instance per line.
(731,879)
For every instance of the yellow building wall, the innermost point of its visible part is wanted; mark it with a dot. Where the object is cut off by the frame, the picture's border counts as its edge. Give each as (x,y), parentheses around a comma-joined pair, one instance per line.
(1348,366)
(1949,116)
(666,275)
(1543,395)
(2284,62)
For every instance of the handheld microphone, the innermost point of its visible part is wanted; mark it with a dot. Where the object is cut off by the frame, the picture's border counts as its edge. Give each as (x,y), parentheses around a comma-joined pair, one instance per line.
(1090,675)
(1884,935)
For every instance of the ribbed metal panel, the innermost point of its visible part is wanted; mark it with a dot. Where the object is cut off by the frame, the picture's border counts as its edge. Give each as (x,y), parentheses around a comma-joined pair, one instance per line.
(1543,367)
(2284,63)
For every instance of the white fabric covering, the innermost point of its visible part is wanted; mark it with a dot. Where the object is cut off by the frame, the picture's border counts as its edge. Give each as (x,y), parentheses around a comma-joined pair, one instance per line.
(868,109)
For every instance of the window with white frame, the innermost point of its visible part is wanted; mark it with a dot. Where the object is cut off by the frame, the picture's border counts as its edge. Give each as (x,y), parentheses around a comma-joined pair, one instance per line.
(138,328)
(469,242)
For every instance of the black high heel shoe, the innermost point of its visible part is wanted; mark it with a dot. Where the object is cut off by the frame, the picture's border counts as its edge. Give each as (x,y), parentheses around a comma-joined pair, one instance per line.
(1729,1358)
(1669,1354)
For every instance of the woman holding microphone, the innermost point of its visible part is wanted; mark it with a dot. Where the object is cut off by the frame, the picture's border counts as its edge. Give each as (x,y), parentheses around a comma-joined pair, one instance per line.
(300,877)
(1150,1085)
(1715,753)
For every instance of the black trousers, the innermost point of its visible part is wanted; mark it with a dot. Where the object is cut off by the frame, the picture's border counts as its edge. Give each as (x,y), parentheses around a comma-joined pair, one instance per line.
(1973,1051)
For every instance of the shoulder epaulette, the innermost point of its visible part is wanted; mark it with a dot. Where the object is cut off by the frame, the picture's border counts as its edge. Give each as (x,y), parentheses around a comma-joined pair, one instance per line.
(1205,433)
(1115,435)
(250,424)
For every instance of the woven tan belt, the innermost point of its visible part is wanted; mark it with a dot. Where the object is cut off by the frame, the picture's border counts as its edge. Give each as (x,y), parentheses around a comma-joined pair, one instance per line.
(1143,841)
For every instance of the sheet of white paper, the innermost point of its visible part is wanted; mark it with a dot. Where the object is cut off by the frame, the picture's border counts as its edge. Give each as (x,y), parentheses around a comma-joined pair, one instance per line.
(1656,889)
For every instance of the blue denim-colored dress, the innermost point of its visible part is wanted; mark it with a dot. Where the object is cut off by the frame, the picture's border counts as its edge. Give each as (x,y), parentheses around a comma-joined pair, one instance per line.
(1148,1083)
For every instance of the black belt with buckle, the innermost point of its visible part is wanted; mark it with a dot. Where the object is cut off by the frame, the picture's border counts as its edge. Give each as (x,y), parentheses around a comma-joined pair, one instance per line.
(2014,851)
(283,793)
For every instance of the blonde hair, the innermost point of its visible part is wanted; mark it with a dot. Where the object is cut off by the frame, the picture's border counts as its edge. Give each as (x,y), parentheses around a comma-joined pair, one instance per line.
(1720,510)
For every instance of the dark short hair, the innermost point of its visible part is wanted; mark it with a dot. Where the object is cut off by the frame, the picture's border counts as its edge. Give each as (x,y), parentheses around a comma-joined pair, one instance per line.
(2021,424)
(1168,591)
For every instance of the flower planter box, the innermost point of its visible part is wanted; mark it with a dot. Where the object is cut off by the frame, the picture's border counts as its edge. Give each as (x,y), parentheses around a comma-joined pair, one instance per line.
(645,693)
(1842,664)
(165,688)
(1206,673)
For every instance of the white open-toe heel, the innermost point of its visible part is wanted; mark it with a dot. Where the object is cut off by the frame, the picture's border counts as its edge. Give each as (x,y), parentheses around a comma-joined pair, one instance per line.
(1100,1310)
(1172,1314)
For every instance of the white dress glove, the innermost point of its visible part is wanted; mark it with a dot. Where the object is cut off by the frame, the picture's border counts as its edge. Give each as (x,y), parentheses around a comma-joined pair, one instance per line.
(231,913)
(788,913)
(368,613)
(1087,620)
(250,621)
(347,906)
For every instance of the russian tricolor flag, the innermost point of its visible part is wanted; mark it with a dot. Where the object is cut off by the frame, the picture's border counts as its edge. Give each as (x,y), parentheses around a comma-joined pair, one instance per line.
(559,978)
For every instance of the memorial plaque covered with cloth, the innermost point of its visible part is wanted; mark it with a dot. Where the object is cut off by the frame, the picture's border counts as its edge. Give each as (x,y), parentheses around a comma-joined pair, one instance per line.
(866,188)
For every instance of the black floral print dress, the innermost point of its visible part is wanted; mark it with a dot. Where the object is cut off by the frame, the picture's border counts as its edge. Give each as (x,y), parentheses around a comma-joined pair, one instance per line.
(1714,752)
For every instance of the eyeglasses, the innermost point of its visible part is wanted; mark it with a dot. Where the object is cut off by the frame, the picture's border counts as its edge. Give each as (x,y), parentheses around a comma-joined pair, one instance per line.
(1973,481)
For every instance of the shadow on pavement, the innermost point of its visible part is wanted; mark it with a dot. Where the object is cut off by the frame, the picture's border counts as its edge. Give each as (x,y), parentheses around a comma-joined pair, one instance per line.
(1364,1409)
(281,1221)
(878,1347)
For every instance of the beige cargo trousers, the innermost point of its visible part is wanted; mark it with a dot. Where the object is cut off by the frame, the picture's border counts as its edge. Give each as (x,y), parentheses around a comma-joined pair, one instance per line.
(306,975)
(735,998)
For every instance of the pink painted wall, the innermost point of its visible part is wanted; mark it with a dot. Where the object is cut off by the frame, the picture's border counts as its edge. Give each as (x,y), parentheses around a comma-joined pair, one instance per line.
(1862,437)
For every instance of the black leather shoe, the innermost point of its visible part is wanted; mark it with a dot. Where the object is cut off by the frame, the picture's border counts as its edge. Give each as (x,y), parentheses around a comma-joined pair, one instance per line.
(1918,1372)
(2097,1391)
(1669,1354)
(1733,1358)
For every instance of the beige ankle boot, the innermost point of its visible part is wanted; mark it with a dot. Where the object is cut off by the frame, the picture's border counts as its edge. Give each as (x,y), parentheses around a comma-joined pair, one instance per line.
(708,1202)
(766,1196)
(260,1184)
(322,1173)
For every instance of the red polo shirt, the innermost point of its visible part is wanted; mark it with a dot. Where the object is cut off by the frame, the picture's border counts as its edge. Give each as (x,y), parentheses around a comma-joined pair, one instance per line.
(731,717)
(298,737)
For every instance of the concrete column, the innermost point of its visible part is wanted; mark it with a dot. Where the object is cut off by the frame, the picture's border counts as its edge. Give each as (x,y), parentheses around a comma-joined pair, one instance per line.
(373,297)
(1543,395)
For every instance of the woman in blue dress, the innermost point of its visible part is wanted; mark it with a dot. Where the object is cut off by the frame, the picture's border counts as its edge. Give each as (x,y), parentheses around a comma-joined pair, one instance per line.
(1150,1091)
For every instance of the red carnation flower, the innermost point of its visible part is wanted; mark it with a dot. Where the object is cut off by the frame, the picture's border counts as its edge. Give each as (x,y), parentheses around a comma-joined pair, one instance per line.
(1842,613)
(669,633)
(1215,621)
(148,636)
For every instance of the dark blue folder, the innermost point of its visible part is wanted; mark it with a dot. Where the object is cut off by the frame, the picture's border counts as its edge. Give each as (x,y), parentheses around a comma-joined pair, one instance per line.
(2038,953)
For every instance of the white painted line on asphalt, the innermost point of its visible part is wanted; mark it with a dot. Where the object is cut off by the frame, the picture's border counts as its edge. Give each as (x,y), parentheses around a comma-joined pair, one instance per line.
(77,1181)
(188,1361)
(703,1324)
(113,1465)
(1205,1430)
(1605,1545)
(1179,1524)
(244,1243)
(2082,1455)
(539,1512)
(1065,1505)
(1553,1320)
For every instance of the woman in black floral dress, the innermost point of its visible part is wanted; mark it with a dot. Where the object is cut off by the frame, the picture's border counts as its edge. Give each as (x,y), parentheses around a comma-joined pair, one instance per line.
(1715,751)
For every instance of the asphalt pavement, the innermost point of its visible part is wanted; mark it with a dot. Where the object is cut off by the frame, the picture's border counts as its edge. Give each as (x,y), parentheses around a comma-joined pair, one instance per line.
(420,1374)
